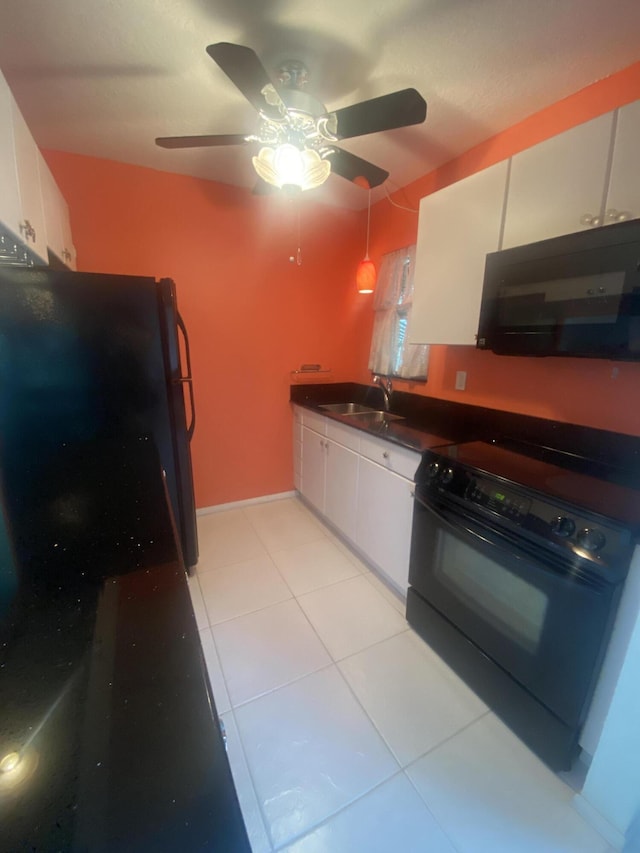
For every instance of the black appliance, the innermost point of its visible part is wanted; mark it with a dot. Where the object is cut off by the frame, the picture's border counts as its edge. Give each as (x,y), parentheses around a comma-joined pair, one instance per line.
(90,366)
(575,295)
(516,570)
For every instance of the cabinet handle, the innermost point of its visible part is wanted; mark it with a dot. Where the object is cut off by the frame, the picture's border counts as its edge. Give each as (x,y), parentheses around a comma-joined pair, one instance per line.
(28,230)
(385,455)
(614,215)
(590,219)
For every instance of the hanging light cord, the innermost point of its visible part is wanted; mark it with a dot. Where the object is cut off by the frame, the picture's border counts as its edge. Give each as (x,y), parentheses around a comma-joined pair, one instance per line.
(395,203)
(366,254)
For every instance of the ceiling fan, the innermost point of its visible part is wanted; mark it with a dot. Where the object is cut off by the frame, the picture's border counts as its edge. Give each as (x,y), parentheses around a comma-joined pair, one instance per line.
(296,133)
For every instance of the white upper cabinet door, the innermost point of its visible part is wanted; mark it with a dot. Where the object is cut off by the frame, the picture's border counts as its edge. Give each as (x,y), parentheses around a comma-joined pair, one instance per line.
(56,217)
(558,186)
(31,228)
(457,227)
(623,199)
(10,211)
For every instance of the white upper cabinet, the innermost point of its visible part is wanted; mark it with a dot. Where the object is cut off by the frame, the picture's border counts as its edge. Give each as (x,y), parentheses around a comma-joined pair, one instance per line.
(31,228)
(623,198)
(56,216)
(558,186)
(10,210)
(32,207)
(457,227)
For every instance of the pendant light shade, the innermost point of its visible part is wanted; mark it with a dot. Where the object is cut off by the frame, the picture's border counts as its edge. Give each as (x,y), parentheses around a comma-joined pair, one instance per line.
(366,276)
(366,272)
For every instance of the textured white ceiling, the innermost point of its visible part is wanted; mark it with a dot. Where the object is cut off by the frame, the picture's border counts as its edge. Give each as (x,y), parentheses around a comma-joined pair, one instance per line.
(105,77)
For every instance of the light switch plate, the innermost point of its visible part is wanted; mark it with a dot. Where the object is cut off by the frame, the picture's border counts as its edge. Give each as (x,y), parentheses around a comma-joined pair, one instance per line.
(461,380)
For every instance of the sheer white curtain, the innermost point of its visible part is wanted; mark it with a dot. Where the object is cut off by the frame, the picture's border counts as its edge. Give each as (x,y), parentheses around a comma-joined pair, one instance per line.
(391,353)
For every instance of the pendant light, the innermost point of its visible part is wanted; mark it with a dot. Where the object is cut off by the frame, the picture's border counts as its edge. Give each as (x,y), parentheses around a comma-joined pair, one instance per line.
(366,273)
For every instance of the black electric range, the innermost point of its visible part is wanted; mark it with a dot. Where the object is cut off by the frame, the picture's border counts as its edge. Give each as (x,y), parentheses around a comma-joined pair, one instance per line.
(517,567)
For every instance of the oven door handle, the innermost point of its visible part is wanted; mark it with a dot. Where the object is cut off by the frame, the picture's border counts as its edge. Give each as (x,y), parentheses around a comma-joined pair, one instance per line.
(458,526)
(516,549)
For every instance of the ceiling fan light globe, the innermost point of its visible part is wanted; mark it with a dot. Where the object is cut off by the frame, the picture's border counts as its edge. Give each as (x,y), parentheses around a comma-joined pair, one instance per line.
(289,163)
(263,164)
(316,170)
(290,166)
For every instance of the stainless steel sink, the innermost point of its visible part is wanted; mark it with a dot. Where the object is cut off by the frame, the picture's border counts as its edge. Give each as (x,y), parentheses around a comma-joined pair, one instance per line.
(346,408)
(373,418)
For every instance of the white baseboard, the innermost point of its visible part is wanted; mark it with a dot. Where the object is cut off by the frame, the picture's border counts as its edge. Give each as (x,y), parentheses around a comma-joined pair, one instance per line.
(206,510)
(599,822)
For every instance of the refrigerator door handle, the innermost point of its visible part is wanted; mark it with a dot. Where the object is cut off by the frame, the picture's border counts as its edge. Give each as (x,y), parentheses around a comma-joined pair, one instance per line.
(188,379)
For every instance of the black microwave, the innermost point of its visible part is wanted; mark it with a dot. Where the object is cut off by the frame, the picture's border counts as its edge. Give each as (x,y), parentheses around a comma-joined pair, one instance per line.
(575,295)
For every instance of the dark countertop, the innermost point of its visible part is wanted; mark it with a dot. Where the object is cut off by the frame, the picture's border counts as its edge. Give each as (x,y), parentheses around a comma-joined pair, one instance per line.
(607,455)
(397,431)
(104,693)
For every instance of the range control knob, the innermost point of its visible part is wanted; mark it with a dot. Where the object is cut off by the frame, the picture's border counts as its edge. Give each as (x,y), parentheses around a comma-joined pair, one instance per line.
(563,526)
(590,539)
(447,476)
(433,470)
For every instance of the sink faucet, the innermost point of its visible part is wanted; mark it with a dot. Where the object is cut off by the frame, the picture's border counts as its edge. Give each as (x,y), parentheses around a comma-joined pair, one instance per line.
(386,387)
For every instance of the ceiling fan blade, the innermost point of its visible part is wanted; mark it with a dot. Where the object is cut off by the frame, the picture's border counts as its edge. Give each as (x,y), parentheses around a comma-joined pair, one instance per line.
(355,169)
(398,109)
(242,67)
(201,141)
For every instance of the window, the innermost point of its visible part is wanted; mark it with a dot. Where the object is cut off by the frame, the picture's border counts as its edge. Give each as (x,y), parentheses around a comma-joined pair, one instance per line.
(391,353)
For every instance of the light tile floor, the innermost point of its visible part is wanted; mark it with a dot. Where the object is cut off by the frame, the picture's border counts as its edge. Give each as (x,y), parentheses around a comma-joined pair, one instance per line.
(345,732)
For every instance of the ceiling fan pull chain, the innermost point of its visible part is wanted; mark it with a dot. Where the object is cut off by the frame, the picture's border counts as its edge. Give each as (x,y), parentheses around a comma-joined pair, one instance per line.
(297,258)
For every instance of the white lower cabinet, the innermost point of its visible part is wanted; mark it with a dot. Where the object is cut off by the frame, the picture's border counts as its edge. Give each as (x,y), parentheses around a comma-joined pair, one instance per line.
(313,467)
(384,518)
(297,447)
(341,488)
(363,485)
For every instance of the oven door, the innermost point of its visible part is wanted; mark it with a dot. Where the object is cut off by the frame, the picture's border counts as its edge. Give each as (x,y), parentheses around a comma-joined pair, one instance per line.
(539,619)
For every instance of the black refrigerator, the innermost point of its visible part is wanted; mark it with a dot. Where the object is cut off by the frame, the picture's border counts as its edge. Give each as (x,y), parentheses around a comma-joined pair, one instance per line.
(91,381)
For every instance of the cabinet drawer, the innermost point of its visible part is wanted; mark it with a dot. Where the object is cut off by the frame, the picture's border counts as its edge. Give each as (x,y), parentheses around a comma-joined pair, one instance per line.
(345,435)
(399,459)
(316,422)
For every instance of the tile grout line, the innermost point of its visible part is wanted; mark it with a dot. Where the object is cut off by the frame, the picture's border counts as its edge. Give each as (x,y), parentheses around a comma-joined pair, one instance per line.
(333,663)
(448,738)
(335,813)
(265,823)
(435,819)
(242,746)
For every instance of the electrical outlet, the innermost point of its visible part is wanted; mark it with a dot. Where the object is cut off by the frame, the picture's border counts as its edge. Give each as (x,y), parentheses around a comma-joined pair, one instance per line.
(461,380)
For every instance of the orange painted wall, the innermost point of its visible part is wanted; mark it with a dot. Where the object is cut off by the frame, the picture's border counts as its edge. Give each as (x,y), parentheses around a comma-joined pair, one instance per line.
(252,315)
(573,390)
